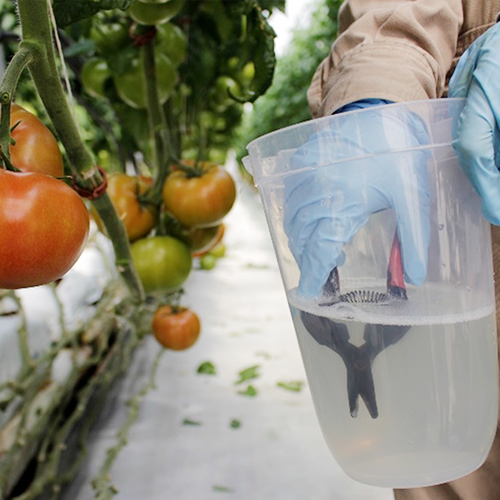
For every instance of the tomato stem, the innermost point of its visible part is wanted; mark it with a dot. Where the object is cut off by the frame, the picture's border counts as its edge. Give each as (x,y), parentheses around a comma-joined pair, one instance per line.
(191,171)
(36,31)
(157,124)
(7,90)
(6,162)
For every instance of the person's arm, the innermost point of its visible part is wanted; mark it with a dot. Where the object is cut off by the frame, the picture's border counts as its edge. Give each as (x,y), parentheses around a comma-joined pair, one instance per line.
(396,50)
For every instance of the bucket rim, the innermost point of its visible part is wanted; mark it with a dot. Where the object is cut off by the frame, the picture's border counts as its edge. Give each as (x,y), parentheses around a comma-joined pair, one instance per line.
(426,102)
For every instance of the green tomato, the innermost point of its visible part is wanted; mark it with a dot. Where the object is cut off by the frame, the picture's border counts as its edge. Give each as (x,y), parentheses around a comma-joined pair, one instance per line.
(95,73)
(131,85)
(207,262)
(219,95)
(243,72)
(218,251)
(171,41)
(109,37)
(163,263)
(151,13)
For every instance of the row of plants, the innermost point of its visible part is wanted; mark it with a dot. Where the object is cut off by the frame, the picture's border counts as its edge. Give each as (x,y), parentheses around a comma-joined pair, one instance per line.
(119,112)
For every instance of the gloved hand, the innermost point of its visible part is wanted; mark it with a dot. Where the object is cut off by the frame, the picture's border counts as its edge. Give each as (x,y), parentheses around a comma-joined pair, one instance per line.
(477,142)
(324,207)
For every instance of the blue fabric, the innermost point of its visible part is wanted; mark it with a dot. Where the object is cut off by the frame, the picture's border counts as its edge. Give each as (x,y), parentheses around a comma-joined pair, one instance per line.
(325,206)
(477,141)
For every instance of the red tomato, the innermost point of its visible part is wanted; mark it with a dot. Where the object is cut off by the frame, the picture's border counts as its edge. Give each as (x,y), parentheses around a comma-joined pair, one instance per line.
(36,149)
(44,226)
(176,328)
(200,200)
(123,190)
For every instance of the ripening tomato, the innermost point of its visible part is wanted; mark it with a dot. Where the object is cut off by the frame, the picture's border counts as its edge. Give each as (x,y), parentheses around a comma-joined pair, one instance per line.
(35,148)
(203,239)
(199,200)
(163,263)
(137,218)
(44,227)
(176,328)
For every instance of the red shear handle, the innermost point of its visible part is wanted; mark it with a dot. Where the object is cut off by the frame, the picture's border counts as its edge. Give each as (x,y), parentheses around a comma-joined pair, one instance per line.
(395,276)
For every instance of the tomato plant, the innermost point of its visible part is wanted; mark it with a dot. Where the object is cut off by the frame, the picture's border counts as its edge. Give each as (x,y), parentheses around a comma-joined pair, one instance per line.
(151,13)
(35,148)
(162,262)
(176,328)
(124,191)
(95,75)
(44,227)
(131,84)
(199,198)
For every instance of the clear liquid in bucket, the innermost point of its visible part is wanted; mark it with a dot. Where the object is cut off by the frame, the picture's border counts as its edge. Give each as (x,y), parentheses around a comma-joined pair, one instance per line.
(436,392)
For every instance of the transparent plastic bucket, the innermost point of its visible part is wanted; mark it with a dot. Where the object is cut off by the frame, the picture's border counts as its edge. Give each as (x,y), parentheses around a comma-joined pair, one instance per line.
(430,413)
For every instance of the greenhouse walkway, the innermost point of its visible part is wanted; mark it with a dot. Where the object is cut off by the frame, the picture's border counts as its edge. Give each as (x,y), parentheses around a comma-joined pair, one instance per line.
(197,437)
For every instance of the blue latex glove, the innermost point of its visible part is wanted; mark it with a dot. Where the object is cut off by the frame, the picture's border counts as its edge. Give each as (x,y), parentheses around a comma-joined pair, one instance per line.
(477,143)
(325,207)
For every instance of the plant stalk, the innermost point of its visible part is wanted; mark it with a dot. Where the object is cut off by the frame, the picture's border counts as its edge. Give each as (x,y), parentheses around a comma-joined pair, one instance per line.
(162,150)
(36,29)
(8,89)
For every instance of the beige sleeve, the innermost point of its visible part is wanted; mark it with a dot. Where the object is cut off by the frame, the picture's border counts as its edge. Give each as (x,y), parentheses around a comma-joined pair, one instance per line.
(399,50)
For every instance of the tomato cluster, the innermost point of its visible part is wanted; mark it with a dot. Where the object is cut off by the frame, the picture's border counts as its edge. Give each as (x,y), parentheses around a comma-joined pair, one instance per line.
(116,68)
(44,223)
(196,197)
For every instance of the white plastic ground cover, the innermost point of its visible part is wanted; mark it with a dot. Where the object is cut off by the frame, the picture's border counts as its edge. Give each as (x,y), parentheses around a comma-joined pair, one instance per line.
(78,293)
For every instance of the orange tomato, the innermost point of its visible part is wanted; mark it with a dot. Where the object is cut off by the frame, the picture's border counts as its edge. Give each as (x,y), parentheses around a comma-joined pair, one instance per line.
(176,328)
(199,199)
(137,218)
(35,148)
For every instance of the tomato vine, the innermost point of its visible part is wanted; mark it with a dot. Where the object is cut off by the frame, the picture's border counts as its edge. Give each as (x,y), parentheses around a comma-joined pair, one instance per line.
(195,68)
(36,32)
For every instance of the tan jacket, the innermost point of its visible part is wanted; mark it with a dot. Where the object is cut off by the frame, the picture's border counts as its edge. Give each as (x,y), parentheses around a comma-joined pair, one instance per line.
(405,50)
(399,50)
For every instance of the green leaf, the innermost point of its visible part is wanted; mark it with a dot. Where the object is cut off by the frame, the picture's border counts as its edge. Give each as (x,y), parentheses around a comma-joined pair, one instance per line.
(222,489)
(80,48)
(235,424)
(206,368)
(294,386)
(70,11)
(250,391)
(248,374)
(272,4)
(188,421)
